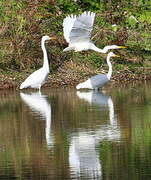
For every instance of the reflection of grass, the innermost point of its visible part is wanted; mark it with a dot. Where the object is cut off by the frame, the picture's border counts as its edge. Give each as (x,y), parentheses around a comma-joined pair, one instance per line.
(132,154)
(21,149)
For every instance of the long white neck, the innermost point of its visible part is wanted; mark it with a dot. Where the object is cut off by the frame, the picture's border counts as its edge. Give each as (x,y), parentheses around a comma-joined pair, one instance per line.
(109,74)
(104,50)
(46,63)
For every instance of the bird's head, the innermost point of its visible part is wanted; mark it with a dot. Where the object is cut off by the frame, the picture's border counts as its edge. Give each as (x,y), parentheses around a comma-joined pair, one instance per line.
(106,48)
(116,47)
(111,54)
(44,38)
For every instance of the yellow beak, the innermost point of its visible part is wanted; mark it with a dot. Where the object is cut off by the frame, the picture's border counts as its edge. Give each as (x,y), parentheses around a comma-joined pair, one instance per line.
(53,38)
(122,47)
(116,55)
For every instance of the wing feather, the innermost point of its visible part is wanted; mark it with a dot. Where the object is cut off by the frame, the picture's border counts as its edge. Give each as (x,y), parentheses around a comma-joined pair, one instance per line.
(78,28)
(99,80)
(82,27)
(67,26)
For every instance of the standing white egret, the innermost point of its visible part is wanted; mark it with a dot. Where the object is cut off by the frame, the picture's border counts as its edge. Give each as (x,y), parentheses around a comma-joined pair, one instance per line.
(98,80)
(38,78)
(77,32)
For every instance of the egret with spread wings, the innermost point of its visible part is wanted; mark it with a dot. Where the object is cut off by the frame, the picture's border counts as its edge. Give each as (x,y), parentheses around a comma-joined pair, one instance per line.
(77,32)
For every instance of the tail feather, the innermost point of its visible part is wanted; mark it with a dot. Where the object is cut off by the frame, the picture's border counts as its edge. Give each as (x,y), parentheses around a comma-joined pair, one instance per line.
(78,86)
(68,49)
(22,86)
(81,86)
(85,85)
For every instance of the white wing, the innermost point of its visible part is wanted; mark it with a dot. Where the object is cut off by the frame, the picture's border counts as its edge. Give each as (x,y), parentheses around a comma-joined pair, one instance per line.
(99,80)
(78,28)
(82,27)
(35,79)
(67,26)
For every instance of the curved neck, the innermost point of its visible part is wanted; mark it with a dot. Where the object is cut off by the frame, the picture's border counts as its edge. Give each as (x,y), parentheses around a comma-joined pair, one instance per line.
(109,74)
(45,64)
(104,50)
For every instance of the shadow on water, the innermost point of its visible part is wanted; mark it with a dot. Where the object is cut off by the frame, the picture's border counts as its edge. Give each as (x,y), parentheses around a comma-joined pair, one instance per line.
(68,134)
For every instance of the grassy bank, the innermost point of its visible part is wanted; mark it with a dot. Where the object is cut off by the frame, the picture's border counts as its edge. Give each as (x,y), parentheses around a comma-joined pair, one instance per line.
(23,23)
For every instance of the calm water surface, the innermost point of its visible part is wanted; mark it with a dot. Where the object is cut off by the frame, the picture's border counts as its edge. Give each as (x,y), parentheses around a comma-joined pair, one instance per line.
(65,134)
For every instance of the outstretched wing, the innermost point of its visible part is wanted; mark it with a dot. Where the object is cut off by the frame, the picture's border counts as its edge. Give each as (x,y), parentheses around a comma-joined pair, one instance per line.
(82,27)
(67,26)
(78,28)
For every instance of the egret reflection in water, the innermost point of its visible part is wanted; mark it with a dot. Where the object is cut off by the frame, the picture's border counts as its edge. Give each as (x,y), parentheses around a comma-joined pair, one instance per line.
(39,104)
(109,131)
(83,157)
(83,154)
(102,101)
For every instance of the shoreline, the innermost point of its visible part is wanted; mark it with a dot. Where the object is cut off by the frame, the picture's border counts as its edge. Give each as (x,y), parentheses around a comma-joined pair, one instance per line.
(62,79)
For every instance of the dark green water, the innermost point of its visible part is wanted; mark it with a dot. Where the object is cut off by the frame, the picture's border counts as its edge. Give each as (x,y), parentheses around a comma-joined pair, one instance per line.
(64,134)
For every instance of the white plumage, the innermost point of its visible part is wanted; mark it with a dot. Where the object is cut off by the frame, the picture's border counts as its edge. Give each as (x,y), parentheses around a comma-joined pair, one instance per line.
(99,80)
(67,26)
(94,82)
(77,32)
(38,78)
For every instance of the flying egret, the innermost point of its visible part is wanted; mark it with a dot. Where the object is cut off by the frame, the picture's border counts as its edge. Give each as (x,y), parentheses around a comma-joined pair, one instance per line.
(38,78)
(77,32)
(99,80)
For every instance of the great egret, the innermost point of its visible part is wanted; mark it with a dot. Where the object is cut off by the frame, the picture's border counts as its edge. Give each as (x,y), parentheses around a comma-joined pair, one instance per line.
(77,32)
(99,80)
(38,78)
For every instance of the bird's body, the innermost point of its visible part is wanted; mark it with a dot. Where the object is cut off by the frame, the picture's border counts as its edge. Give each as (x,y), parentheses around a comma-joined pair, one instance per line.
(98,80)
(38,78)
(77,32)
(94,82)
(81,46)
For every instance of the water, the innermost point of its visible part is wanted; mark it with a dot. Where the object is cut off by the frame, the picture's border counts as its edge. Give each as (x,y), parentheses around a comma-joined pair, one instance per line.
(64,134)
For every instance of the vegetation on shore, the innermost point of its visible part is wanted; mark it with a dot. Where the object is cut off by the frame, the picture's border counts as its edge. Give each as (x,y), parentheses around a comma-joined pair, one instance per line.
(23,23)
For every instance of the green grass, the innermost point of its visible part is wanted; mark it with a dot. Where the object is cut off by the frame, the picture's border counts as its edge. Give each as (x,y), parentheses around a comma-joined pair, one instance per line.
(23,24)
